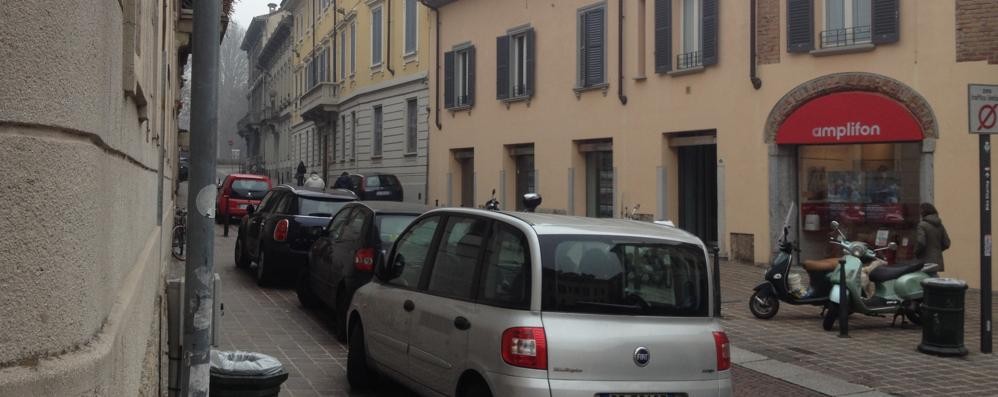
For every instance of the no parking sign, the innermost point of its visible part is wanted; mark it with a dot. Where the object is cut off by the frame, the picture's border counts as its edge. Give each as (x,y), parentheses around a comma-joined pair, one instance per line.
(983,101)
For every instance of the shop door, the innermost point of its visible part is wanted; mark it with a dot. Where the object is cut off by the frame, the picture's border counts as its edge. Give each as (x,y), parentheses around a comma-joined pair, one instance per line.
(698,191)
(599,184)
(468,182)
(524,178)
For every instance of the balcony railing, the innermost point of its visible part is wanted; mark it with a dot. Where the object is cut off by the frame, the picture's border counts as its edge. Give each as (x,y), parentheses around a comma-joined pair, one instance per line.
(845,37)
(318,97)
(688,60)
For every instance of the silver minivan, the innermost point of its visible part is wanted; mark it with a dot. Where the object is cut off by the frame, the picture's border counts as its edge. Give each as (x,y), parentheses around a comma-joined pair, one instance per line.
(484,303)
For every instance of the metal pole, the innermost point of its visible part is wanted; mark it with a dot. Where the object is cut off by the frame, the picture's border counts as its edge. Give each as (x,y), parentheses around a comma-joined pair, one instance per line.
(843,301)
(986,328)
(198,294)
(715,251)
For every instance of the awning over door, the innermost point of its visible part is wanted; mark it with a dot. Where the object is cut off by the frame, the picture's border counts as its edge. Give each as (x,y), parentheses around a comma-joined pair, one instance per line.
(849,117)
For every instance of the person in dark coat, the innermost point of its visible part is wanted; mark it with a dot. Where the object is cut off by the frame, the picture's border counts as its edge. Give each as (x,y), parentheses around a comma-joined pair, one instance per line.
(300,174)
(932,237)
(343,182)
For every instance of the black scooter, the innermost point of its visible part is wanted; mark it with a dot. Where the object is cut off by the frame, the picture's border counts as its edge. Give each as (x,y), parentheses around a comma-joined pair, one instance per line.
(765,302)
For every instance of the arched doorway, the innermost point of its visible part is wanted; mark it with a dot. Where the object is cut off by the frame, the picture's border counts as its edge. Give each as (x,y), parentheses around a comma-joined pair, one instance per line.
(855,148)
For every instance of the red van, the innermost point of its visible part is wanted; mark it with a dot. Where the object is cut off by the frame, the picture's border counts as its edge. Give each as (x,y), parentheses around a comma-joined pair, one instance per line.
(237,192)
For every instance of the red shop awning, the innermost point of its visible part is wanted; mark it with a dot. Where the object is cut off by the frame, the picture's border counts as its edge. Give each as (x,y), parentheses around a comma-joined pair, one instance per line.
(849,117)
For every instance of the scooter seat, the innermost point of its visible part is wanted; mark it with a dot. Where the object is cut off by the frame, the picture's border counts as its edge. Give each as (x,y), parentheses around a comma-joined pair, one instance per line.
(886,273)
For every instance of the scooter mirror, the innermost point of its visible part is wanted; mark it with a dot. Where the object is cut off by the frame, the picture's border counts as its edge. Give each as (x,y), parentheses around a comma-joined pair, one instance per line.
(892,246)
(835,225)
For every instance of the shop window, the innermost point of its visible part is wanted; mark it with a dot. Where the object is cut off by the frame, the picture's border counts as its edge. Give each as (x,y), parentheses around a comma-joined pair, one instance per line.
(871,189)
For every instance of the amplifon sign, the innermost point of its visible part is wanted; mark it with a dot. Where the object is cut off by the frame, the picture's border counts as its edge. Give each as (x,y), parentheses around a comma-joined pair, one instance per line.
(849,117)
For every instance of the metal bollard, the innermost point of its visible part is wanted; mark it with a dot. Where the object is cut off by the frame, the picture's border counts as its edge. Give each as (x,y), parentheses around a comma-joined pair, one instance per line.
(843,302)
(715,250)
(225,226)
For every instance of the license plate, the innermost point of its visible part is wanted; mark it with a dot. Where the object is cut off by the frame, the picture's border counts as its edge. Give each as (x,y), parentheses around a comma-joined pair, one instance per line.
(382,193)
(242,206)
(641,395)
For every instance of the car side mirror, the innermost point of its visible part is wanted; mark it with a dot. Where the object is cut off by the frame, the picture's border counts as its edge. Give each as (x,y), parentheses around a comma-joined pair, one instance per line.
(250,209)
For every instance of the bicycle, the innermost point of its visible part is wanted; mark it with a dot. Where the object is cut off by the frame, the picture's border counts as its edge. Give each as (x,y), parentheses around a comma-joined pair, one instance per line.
(179,239)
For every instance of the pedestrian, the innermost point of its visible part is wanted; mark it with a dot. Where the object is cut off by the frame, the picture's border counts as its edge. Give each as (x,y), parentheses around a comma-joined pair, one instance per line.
(300,175)
(932,237)
(314,182)
(343,182)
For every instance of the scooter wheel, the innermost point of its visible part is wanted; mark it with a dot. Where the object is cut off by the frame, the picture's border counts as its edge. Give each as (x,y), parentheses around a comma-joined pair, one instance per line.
(913,312)
(831,315)
(763,308)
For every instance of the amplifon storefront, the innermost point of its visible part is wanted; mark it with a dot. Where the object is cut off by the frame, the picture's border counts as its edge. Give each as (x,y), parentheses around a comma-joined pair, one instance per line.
(852,148)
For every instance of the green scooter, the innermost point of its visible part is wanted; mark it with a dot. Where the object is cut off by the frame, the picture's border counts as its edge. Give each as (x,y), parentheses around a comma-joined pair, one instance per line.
(898,287)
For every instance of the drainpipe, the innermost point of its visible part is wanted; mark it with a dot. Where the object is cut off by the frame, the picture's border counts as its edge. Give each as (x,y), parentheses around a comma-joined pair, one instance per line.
(756,82)
(620,53)
(436,71)
(388,47)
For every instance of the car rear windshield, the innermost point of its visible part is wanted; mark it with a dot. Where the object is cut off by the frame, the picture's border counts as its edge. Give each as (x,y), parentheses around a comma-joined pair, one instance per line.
(249,189)
(312,206)
(622,275)
(390,226)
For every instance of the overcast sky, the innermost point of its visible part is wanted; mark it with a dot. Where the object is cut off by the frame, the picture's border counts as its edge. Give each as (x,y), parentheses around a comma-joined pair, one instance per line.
(247,9)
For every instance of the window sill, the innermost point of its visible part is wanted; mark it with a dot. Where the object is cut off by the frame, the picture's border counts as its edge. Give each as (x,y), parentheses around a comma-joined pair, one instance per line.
(412,154)
(378,157)
(684,72)
(459,108)
(376,67)
(640,78)
(410,58)
(846,49)
(579,90)
(521,98)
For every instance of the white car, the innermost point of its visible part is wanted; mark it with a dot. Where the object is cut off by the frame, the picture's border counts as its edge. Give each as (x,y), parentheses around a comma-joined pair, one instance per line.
(484,303)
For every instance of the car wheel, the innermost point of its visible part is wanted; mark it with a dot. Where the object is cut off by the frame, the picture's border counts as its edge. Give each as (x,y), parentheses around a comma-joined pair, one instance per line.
(763,308)
(475,387)
(359,374)
(342,303)
(242,260)
(304,291)
(263,273)
(831,315)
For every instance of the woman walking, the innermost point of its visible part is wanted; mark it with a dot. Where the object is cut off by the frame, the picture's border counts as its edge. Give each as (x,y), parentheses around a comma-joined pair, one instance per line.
(932,237)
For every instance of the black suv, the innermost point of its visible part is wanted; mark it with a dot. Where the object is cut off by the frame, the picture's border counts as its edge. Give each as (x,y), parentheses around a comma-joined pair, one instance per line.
(343,258)
(382,187)
(278,234)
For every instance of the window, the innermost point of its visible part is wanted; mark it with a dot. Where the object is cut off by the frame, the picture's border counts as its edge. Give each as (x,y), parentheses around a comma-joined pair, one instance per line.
(376,36)
(698,32)
(354,227)
(459,77)
(353,48)
(389,227)
(343,137)
(847,22)
(353,136)
(376,140)
(316,207)
(334,151)
(248,188)
(411,112)
(506,271)
(411,252)
(457,257)
(515,64)
(411,31)
(336,225)
(592,46)
(690,57)
(343,56)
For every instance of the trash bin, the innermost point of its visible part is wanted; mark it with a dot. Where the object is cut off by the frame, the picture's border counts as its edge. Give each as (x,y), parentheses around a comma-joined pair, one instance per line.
(942,317)
(245,374)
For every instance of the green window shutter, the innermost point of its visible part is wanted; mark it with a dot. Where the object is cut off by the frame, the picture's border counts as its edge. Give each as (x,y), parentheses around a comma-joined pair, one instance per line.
(449,79)
(502,67)
(529,69)
(471,76)
(663,36)
(709,26)
(595,48)
(800,26)
(886,21)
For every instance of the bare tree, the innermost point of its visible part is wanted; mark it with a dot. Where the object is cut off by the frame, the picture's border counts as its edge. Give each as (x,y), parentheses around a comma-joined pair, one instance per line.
(233,69)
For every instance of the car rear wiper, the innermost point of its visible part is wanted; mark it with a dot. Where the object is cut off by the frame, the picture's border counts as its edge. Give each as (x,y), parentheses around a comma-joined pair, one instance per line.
(321,214)
(613,307)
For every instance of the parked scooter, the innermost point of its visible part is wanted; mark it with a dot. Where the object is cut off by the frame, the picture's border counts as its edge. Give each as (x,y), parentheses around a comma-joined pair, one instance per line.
(493,203)
(765,302)
(898,288)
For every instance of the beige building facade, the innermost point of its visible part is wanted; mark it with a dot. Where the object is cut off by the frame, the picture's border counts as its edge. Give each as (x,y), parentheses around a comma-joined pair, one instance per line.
(696,112)
(88,137)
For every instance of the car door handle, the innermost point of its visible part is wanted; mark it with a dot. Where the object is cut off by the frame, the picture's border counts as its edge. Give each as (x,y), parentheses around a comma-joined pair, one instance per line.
(462,323)
(408,305)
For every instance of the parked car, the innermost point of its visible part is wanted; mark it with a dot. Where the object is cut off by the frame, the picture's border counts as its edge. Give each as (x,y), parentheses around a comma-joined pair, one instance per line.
(384,187)
(237,192)
(481,303)
(342,260)
(278,235)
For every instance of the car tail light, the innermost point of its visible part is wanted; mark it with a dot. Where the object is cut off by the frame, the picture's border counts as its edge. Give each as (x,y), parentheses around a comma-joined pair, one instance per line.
(525,347)
(281,230)
(363,259)
(723,348)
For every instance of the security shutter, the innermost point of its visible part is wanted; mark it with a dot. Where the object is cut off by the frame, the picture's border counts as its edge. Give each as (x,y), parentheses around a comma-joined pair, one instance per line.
(709,25)
(886,21)
(529,68)
(449,79)
(502,67)
(663,36)
(471,76)
(593,48)
(800,25)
